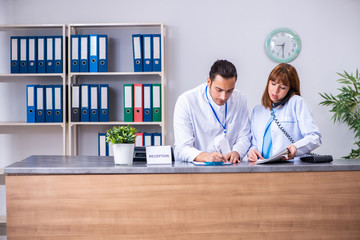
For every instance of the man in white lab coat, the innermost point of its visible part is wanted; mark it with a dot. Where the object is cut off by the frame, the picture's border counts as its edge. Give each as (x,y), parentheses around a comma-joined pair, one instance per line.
(211,121)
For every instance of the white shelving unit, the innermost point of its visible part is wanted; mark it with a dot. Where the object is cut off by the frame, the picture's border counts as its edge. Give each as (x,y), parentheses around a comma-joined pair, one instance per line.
(2,183)
(120,71)
(18,116)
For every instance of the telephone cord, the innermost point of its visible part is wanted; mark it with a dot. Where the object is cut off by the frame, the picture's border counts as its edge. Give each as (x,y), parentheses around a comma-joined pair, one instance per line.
(281,128)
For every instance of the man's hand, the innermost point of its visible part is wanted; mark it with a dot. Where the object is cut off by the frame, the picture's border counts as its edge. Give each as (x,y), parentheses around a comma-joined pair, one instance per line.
(254,155)
(210,157)
(232,157)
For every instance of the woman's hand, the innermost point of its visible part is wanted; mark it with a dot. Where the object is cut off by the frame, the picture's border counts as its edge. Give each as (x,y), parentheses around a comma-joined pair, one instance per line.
(292,151)
(254,155)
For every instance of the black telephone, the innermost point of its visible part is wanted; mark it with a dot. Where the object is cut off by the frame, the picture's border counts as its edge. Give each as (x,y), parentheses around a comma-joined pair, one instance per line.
(284,100)
(140,154)
(315,158)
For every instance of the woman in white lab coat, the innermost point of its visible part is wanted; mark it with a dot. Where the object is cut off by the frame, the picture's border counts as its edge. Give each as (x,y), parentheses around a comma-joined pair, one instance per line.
(283,120)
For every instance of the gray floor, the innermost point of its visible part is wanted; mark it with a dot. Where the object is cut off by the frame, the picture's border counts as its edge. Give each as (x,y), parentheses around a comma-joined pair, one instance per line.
(2,231)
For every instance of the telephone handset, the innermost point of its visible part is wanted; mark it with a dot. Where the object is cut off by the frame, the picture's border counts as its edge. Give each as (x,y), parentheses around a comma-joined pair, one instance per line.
(284,100)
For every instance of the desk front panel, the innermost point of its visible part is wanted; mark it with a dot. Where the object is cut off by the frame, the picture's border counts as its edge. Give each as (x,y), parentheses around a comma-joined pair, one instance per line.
(285,205)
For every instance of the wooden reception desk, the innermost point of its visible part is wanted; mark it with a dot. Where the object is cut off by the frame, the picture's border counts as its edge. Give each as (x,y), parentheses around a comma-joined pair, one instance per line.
(77,197)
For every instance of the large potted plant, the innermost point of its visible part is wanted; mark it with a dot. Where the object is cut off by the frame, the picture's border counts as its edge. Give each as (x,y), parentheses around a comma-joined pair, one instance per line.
(122,139)
(346,106)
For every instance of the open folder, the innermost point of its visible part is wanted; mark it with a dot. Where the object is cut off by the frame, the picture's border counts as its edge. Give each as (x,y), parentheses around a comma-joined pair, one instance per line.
(211,163)
(276,158)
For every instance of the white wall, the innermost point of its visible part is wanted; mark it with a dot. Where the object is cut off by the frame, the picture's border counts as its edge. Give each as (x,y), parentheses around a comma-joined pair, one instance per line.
(199,32)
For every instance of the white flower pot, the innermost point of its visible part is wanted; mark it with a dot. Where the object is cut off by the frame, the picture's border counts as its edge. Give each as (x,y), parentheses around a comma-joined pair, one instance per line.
(123,153)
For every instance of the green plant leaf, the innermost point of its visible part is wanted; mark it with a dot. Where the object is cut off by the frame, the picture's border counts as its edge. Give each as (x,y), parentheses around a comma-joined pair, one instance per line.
(121,134)
(346,106)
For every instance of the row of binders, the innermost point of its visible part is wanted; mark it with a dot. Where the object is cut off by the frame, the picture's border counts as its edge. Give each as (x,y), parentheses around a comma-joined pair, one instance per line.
(36,54)
(148,139)
(90,103)
(89,53)
(44,103)
(147,52)
(142,102)
(142,139)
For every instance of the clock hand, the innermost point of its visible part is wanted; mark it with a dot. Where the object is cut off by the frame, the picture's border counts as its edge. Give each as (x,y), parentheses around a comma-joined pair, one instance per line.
(282,48)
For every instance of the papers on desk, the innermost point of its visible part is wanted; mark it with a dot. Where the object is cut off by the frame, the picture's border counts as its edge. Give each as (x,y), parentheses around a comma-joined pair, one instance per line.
(276,158)
(211,163)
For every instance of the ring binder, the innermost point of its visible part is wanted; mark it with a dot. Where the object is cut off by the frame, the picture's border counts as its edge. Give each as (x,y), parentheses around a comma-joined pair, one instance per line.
(30,103)
(84,117)
(104,103)
(147,97)
(94,103)
(58,61)
(94,53)
(23,54)
(58,103)
(40,92)
(49,100)
(147,53)
(75,53)
(32,55)
(128,103)
(137,53)
(103,45)
(75,103)
(41,52)
(49,55)
(14,54)
(84,53)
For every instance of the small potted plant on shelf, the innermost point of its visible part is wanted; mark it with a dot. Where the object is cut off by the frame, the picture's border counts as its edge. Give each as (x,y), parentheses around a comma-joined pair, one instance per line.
(122,139)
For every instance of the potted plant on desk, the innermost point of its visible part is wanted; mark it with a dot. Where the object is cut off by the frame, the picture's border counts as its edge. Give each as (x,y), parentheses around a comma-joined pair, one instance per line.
(122,139)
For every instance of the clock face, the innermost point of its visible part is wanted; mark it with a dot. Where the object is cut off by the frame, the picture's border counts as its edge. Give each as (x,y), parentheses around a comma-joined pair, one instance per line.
(283,45)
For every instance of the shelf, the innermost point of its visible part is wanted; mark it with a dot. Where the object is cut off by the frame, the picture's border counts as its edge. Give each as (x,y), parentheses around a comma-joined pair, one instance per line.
(120,66)
(115,25)
(119,63)
(15,82)
(4,124)
(117,123)
(32,75)
(27,26)
(114,73)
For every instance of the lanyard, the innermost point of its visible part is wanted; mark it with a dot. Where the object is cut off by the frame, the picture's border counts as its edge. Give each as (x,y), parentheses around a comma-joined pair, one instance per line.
(212,108)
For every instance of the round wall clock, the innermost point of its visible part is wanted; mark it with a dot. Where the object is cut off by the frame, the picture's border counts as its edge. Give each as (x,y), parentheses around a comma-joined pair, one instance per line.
(283,45)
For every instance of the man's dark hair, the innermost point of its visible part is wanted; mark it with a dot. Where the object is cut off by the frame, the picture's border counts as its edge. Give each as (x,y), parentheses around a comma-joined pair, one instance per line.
(223,68)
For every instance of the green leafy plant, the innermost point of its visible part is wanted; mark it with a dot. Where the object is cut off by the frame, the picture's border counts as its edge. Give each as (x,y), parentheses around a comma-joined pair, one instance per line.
(346,106)
(121,134)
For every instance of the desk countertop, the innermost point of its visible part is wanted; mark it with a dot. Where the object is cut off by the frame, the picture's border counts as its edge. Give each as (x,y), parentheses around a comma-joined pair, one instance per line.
(105,165)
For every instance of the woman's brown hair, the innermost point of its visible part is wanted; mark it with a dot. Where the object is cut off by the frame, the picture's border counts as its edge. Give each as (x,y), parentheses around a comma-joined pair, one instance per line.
(285,74)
